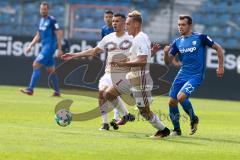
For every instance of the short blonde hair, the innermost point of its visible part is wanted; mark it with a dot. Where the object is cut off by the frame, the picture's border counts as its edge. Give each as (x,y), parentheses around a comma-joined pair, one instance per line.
(136,16)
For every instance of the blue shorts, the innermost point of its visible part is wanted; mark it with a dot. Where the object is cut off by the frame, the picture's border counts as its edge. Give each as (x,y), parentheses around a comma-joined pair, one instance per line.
(46,56)
(186,86)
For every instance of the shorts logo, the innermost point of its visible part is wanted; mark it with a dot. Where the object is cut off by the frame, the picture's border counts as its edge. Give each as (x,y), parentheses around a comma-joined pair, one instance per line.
(39,57)
(189,89)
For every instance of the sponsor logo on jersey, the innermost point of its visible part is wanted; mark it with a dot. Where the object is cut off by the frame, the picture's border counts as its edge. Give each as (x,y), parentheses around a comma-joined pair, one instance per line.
(124,45)
(186,50)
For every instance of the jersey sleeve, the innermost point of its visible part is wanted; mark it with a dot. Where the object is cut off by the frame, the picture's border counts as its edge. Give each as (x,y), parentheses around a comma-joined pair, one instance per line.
(174,50)
(142,48)
(55,23)
(102,33)
(102,43)
(206,40)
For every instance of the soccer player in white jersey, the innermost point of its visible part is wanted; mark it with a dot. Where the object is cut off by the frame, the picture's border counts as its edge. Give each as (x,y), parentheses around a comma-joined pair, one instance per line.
(117,45)
(139,75)
(106,80)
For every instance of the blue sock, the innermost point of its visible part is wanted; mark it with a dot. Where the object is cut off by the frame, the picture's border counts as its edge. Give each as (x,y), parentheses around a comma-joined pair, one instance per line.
(174,116)
(54,80)
(34,79)
(187,107)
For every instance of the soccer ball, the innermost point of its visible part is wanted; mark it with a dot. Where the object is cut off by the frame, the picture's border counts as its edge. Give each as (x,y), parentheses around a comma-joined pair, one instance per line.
(63,117)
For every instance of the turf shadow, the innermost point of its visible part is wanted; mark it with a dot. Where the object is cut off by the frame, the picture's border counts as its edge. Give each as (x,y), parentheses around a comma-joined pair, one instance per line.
(211,139)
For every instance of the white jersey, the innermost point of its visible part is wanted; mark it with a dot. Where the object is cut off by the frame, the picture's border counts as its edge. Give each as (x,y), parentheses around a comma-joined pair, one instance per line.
(139,77)
(141,46)
(117,49)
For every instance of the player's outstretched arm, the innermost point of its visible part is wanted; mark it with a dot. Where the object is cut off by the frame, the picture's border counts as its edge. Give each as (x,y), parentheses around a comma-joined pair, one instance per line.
(168,58)
(34,41)
(220,69)
(86,53)
(140,61)
(59,34)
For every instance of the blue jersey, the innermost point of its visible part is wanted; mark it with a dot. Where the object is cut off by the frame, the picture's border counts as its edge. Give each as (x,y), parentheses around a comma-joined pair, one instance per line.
(191,53)
(106,30)
(47,28)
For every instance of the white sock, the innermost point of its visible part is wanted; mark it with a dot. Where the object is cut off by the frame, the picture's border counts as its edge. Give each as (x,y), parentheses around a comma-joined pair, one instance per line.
(156,123)
(104,118)
(104,110)
(122,106)
(116,114)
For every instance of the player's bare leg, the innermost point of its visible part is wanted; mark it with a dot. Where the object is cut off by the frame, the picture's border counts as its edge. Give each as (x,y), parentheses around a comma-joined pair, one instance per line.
(154,121)
(103,109)
(106,105)
(112,95)
(187,106)
(34,79)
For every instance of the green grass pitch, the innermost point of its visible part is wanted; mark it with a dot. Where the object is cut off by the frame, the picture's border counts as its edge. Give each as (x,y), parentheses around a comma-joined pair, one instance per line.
(28,131)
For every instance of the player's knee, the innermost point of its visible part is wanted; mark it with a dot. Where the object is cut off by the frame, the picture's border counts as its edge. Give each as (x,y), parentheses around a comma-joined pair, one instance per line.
(35,65)
(100,95)
(181,98)
(51,71)
(172,102)
(109,96)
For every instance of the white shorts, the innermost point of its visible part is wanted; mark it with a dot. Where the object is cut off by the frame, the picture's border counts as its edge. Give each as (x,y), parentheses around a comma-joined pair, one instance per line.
(141,88)
(104,81)
(117,80)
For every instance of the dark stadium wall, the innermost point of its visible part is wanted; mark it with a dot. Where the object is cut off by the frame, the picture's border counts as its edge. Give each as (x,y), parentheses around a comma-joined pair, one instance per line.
(16,69)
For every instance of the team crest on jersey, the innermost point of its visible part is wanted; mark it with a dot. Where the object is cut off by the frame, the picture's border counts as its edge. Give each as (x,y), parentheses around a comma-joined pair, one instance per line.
(46,23)
(43,25)
(194,43)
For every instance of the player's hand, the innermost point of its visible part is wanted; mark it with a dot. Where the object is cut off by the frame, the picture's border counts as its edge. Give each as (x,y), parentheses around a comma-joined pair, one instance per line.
(114,63)
(28,49)
(67,56)
(166,49)
(220,72)
(59,54)
(155,48)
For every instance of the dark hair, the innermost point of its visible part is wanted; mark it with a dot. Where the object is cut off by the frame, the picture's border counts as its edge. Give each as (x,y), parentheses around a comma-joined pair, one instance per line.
(136,16)
(119,15)
(44,3)
(108,12)
(189,18)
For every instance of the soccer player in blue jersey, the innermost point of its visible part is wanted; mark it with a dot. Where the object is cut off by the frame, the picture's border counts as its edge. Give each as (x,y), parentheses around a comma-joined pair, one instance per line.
(50,37)
(190,49)
(108,27)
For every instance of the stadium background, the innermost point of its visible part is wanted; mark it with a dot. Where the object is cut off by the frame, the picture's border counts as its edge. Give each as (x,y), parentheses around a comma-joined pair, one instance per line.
(81,21)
